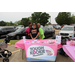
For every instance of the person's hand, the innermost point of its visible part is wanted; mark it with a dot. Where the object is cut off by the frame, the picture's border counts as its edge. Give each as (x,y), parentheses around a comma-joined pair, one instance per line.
(34,38)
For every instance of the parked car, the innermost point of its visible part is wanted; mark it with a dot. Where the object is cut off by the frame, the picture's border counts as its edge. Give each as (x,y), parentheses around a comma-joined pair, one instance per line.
(64,25)
(57,27)
(74,29)
(48,32)
(67,32)
(41,26)
(5,30)
(50,26)
(17,34)
(53,26)
(20,27)
(73,24)
(26,27)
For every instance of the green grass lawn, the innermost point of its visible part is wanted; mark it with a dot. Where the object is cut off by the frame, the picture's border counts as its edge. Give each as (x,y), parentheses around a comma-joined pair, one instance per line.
(11,41)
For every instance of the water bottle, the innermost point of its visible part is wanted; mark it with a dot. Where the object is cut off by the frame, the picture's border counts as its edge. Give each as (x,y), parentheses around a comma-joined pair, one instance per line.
(24,39)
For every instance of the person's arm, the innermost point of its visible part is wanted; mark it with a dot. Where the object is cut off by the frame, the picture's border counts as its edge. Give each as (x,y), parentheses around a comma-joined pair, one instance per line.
(41,33)
(37,35)
(31,36)
(40,36)
(26,32)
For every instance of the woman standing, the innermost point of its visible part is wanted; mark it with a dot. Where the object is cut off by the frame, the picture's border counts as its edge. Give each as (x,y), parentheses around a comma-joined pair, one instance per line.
(27,31)
(34,32)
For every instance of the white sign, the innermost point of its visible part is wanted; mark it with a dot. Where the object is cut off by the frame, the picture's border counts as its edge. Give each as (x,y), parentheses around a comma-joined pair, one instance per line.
(39,51)
(58,39)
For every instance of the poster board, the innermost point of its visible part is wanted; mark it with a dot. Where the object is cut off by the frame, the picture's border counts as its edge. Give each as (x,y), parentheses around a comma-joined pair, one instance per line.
(58,39)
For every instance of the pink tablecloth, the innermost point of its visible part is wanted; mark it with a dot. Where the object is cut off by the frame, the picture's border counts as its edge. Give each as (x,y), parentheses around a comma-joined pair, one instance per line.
(20,44)
(35,52)
(70,51)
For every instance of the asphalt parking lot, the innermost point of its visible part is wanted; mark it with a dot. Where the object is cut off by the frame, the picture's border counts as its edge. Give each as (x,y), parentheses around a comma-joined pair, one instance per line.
(17,54)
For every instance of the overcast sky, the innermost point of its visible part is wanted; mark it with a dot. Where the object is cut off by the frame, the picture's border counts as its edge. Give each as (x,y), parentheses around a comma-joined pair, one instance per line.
(15,16)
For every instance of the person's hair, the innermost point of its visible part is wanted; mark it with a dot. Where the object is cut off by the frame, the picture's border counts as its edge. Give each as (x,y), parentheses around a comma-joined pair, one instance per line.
(34,22)
(38,23)
(29,22)
(30,25)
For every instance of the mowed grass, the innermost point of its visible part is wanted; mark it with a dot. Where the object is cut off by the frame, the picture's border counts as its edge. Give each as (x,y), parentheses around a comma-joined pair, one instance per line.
(11,41)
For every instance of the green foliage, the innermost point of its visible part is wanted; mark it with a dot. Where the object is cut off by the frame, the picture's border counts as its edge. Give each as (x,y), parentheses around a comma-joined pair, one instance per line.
(18,22)
(73,19)
(11,41)
(43,19)
(49,23)
(30,19)
(24,21)
(9,23)
(64,18)
(2,23)
(40,17)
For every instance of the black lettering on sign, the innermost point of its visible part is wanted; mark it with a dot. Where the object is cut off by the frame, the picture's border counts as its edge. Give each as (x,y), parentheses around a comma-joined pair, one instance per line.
(37,51)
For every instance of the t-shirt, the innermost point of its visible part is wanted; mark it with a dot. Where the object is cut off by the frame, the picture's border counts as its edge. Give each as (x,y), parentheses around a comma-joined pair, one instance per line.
(26,32)
(41,33)
(34,32)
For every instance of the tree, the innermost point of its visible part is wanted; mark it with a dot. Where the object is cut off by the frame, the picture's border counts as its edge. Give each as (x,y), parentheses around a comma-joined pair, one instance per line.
(40,17)
(18,22)
(64,18)
(73,19)
(49,23)
(24,21)
(2,23)
(44,18)
(30,18)
(11,23)
(7,24)
(36,17)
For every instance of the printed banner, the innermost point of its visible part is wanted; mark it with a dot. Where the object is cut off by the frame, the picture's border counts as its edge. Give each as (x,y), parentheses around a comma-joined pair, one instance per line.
(35,52)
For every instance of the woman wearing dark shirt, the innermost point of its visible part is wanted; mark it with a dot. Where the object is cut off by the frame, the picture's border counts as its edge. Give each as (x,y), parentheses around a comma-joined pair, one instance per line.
(34,32)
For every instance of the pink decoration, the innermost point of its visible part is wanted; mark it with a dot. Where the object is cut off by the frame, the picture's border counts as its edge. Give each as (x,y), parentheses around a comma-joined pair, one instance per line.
(72,43)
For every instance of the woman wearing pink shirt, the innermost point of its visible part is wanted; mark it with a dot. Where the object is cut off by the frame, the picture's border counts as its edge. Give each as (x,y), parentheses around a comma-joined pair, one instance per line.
(27,31)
